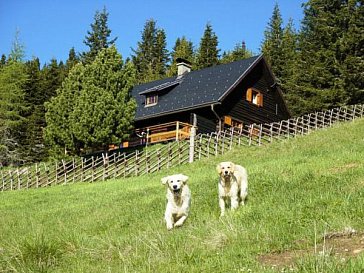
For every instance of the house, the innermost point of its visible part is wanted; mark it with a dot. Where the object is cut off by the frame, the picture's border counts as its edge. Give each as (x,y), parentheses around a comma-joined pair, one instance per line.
(215,98)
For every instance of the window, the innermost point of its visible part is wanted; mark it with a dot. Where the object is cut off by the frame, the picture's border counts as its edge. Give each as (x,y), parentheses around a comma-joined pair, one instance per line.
(151,100)
(254,96)
(229,122)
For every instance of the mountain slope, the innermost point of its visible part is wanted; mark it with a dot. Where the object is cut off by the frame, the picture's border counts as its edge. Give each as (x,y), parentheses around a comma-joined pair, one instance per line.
(299,190)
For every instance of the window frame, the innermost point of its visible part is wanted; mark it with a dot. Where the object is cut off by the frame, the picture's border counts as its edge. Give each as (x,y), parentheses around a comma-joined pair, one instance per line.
(151,100)
(254,96)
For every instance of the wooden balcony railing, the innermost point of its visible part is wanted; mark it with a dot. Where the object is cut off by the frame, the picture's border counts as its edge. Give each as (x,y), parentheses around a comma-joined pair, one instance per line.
(165,132)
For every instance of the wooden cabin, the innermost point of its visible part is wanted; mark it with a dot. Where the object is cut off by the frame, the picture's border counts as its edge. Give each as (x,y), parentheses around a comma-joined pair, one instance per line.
(215,98)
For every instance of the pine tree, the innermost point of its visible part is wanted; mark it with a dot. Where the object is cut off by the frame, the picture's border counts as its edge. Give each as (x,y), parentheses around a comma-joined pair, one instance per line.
(182,49)
(238,53)
(93,108)
(207,53)
(151,56)
(98,38)
(58,132)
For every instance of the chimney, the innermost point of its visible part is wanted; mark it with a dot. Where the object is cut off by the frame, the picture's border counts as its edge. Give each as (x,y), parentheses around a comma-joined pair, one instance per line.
(183,66)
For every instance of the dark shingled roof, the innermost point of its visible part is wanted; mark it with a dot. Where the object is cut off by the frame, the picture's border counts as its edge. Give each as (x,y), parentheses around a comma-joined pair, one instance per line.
(193,90)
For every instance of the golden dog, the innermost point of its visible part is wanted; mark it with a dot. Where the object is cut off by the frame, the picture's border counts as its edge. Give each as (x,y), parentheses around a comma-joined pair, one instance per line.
(178,200)
(233,185)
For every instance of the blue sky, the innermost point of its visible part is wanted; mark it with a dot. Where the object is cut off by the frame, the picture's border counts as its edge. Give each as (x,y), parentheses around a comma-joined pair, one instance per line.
(50,28)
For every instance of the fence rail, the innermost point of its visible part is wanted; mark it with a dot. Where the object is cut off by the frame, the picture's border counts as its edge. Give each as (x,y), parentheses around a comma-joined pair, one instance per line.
(122,165)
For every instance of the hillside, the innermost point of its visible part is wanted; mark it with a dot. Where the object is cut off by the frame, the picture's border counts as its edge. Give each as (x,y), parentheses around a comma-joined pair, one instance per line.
(305,203)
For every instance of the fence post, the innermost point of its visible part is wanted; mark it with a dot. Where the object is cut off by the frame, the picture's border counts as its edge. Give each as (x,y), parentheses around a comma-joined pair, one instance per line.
(18,176)
(125,164)
(11,180)
(93,169)
(159,159)
(169,155)
(192,144)
(260,134)
(136,163)
(177,131)
(46,172)
(73,170)
(64,171)
(231,138)
(36,175)
(82,169)
(3,181)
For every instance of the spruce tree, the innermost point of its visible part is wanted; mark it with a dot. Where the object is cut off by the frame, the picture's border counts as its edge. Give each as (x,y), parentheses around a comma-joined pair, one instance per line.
(3,60)
(151,56)
(208,52)
(352,51)
(321,83)
(33,143)
(161,54)
(182,49)
(272,44)
(98,38)
(289,73)
(238,53)
(72,60)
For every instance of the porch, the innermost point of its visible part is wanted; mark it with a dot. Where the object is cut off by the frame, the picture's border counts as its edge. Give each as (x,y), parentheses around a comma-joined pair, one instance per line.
(165,132)
(175,131)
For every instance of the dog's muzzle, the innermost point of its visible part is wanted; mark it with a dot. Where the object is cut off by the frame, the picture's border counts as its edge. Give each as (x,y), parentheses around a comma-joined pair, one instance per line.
(176,191)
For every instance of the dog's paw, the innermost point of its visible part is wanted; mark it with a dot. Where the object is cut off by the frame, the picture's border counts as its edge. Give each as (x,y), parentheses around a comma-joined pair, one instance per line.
(179,223)
(169,226)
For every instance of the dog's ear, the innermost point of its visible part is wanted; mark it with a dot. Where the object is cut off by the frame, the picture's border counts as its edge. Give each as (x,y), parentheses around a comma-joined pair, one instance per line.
(218,169)
(184,178)
(164,180)
(232,166)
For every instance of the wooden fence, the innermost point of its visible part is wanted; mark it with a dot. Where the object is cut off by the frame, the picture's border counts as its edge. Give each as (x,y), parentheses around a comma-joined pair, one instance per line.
(122,165)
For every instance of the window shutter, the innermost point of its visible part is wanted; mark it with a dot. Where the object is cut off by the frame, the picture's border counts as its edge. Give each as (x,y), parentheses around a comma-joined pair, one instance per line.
(249,94)
(227,120)
(260,99)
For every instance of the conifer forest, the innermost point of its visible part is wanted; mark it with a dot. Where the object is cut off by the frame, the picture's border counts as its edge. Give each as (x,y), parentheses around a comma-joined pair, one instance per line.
(57,109)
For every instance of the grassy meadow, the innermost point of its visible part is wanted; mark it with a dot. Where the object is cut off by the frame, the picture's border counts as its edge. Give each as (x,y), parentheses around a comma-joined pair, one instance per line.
(300,189)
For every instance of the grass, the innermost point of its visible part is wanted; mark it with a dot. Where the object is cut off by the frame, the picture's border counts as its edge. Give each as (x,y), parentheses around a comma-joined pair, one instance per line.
(299,190)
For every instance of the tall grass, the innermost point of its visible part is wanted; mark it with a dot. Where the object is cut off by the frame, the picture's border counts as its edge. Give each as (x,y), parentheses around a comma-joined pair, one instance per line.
(299,189)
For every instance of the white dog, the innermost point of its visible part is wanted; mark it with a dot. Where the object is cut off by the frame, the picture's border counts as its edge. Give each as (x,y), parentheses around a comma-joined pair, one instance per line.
(178,200)
(233,185)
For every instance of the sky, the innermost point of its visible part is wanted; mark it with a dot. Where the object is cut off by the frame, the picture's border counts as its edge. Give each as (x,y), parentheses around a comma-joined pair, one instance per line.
(50,28)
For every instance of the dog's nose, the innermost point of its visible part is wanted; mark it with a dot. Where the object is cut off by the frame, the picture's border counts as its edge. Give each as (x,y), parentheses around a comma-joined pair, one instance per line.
(174,186)
(226,172)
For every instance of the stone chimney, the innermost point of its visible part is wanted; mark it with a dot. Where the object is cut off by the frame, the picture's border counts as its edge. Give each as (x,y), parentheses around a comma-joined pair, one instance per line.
(183,66)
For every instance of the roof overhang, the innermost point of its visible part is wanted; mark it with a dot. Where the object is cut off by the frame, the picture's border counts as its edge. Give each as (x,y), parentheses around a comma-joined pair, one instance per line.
(177,110)
(242,76)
